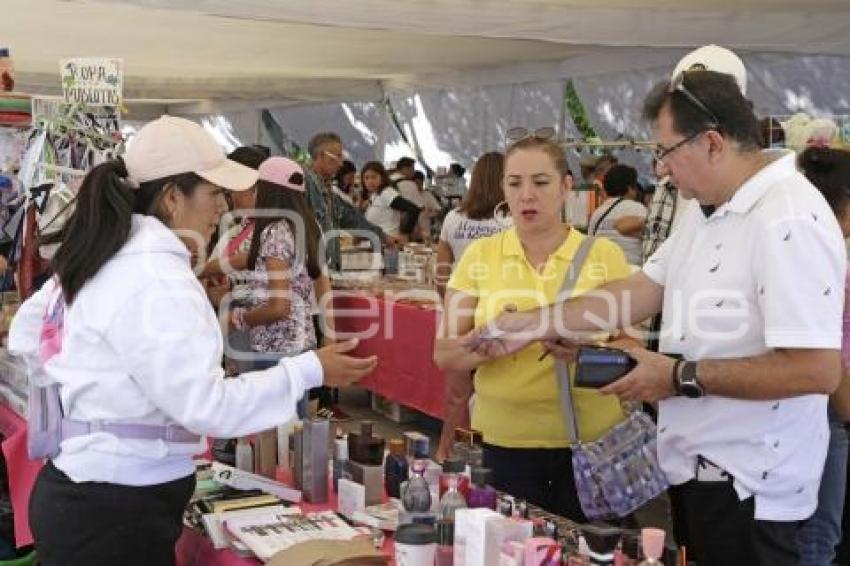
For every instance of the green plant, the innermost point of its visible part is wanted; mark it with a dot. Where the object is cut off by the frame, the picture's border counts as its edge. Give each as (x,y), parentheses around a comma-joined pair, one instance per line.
(578,113)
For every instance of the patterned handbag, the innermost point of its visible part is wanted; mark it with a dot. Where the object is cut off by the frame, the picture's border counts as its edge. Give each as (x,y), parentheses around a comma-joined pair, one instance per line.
(619,472)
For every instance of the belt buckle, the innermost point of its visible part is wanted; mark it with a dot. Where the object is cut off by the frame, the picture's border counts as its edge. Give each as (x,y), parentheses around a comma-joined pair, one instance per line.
(709,472)
(170,432)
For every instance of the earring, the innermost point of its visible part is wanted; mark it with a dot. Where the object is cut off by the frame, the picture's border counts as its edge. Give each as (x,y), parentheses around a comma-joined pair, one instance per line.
(502,217)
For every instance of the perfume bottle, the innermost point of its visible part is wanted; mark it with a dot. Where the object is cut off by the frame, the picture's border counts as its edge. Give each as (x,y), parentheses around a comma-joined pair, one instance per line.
(445,543)
(416,495)
(652,541)
(453,468)
(364,448)
(340,458)
(395,468)
(451,501)
(482,494)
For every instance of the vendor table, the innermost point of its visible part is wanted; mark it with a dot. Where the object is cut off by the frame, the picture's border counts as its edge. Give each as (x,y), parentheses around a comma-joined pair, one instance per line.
(402,336)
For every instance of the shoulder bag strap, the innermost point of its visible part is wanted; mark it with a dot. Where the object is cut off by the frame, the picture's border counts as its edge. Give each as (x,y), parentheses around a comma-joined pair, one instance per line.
(604,215)
(562,372)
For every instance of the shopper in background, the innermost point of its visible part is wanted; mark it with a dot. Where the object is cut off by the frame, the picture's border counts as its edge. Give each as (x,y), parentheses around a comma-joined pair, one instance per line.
(141,346)
(517,405)
(663,212)
(283,255)
(620,217)
(475,218)
(829,171)
(393,213)
(415,192)
(231,252)
(333,212)
(457,172)
(344,182)
(419,179)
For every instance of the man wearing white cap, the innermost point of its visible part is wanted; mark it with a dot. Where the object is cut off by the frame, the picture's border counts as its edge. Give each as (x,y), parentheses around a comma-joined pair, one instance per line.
(662,218)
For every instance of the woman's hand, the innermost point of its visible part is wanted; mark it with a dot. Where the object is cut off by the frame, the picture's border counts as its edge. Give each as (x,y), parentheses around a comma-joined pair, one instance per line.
(217,289)
(340,369)
(562,348)
(506,334)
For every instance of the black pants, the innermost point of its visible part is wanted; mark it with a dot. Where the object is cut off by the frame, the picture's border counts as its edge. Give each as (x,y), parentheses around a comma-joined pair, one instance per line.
(724,532)
(104,524)
(541,476)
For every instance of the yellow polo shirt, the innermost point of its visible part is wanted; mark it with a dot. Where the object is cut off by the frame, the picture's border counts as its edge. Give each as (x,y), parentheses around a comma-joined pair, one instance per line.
(517,401)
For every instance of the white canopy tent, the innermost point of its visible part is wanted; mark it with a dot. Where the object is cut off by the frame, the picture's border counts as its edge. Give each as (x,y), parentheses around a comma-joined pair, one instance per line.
(456,72)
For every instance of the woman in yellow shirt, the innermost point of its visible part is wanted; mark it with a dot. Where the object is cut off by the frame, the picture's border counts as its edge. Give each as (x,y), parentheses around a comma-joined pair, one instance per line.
(517,406)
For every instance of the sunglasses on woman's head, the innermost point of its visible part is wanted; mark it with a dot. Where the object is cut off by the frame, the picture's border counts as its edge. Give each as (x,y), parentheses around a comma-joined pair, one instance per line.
(520,133)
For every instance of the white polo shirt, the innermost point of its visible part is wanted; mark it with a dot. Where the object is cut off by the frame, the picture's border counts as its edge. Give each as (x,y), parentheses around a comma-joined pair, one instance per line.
(765,271)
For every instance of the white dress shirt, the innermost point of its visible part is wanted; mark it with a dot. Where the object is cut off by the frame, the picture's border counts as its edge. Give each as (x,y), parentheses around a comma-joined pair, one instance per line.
(765,271)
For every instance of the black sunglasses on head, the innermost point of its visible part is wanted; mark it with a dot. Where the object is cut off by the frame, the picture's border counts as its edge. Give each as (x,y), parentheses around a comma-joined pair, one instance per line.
(678,85)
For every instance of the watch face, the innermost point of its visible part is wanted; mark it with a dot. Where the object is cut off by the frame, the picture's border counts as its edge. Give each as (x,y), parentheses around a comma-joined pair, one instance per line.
(691,389)
(689,386)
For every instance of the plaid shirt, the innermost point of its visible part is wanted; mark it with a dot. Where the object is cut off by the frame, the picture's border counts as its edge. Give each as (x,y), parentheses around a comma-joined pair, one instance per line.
(659,219)
(334,213)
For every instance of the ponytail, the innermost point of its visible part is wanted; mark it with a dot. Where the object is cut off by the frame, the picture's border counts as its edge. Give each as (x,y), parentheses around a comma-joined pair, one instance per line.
(103,217)
(98,228)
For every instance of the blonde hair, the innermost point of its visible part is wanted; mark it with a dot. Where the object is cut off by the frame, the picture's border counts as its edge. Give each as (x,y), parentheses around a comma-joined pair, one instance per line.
(549,147)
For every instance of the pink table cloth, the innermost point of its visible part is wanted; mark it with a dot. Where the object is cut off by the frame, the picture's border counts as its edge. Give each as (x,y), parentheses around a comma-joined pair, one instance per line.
(402,336)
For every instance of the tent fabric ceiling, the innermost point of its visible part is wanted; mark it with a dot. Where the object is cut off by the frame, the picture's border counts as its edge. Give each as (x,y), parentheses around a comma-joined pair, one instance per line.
(276,52)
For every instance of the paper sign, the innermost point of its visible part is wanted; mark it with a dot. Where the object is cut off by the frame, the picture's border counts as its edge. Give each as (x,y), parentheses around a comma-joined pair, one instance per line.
(92,81)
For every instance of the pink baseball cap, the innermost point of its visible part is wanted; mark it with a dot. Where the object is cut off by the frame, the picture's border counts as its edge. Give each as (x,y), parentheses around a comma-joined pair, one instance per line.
(284,172)
(170,146)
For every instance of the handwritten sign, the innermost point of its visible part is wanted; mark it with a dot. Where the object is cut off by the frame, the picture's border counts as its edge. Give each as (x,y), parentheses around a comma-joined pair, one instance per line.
(92,81)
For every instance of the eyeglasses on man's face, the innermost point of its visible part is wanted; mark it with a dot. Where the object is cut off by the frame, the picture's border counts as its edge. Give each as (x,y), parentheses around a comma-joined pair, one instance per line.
(338,158)
(659,152)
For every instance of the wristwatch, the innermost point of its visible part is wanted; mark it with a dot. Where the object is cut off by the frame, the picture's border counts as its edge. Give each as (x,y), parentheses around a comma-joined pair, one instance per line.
(687,382)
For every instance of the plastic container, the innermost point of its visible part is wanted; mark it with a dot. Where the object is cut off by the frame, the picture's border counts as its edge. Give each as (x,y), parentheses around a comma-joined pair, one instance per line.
(415,545)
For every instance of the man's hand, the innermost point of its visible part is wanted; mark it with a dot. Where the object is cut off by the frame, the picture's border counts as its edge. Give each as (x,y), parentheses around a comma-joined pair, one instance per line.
(650,381)
(340,369)
(509,332)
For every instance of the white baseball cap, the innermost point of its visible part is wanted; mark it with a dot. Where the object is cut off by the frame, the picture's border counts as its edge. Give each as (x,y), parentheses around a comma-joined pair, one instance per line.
(170,146)
(717,59)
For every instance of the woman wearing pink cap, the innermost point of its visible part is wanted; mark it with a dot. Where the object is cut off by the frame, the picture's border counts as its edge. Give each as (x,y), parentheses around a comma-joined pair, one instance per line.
(126,333)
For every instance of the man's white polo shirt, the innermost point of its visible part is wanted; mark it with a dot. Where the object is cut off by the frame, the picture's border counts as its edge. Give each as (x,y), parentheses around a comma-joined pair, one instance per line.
(765,271)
